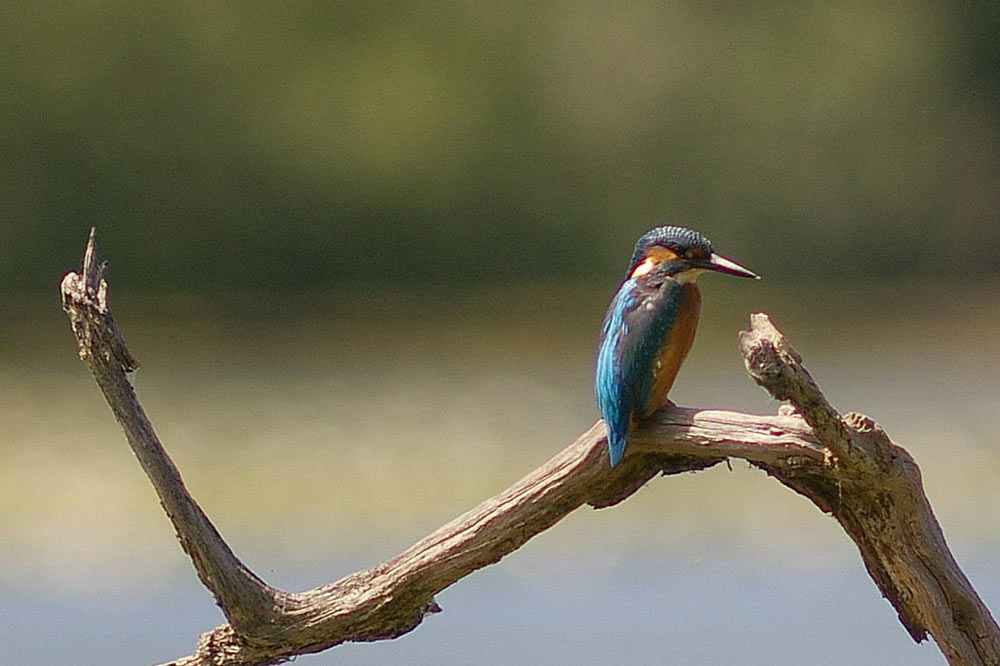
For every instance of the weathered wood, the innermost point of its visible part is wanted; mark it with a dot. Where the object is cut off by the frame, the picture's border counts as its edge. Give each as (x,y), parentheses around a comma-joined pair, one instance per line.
(874,490)
(846,465)
(245,600)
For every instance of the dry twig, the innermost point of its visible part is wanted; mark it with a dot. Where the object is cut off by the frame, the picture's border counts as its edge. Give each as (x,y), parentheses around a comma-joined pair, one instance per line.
(846,465)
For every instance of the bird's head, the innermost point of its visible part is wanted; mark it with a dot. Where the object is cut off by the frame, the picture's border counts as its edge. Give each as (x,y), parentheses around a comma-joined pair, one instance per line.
(682,254)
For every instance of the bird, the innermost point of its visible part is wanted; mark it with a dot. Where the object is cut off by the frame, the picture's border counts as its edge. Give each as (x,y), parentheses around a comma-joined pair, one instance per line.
(650,325)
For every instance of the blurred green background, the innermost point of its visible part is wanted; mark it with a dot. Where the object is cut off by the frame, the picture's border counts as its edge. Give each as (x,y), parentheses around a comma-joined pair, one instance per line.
(362,251)
(497,142)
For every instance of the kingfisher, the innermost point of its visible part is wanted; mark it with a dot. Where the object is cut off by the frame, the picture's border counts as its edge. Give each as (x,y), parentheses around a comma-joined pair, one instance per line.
(650,326)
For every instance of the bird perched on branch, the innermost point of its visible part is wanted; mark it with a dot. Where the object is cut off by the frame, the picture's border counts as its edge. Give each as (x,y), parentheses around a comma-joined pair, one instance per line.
(650,326)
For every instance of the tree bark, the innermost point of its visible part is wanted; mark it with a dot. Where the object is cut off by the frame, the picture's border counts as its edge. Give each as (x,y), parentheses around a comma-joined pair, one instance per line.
(846,465)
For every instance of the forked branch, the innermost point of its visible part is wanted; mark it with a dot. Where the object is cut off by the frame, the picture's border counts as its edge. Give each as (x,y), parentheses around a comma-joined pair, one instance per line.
(845,464)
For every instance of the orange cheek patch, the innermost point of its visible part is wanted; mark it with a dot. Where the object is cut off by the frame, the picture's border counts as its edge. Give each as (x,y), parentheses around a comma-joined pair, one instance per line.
(654,256)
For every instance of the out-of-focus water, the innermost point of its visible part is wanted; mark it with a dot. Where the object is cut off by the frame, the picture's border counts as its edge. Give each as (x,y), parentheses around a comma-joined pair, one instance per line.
(325,435)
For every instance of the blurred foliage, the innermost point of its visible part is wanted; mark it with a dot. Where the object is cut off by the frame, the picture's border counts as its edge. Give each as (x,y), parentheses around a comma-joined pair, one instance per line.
(295,145)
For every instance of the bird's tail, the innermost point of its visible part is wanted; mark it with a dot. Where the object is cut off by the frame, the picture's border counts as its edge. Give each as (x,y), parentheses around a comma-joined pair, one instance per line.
(616,445)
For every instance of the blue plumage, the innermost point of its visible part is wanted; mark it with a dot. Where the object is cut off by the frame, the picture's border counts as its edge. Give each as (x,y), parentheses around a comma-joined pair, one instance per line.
(637,323)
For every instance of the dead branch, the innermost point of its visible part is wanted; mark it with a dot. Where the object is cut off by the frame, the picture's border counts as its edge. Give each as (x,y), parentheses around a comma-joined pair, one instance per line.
(845,464)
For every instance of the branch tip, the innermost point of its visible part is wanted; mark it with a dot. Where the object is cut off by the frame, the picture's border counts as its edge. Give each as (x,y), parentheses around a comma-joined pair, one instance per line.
(91,269)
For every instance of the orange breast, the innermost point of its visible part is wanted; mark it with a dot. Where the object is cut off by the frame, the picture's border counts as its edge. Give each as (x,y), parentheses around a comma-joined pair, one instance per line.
(675,348)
